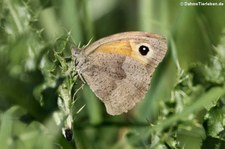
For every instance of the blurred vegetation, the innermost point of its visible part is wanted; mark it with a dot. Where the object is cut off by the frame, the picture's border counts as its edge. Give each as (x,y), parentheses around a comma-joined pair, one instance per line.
(40,93)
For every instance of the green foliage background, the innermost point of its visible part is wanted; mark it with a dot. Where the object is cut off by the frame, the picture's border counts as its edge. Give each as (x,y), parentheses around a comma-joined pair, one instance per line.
(40,92)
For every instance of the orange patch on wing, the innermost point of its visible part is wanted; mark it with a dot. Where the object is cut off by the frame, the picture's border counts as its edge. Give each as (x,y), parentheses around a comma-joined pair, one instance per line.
(117,47)
(122,48)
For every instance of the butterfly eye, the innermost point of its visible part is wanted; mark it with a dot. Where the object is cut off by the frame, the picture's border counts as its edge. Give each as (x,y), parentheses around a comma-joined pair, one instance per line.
(143,50)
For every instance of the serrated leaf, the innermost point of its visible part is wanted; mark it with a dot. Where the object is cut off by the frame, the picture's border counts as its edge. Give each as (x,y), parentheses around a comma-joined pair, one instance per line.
(215,121)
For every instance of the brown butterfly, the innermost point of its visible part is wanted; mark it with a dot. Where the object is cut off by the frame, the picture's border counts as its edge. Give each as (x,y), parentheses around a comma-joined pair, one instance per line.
(118,68)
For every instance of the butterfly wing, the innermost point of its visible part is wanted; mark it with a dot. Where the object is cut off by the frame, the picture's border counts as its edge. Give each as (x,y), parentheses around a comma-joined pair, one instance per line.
(116,76)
